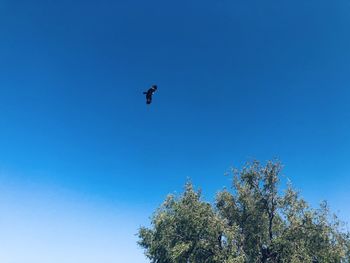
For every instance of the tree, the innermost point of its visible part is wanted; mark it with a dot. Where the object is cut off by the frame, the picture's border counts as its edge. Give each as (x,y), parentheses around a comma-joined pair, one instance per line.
(188,230)
(254,222)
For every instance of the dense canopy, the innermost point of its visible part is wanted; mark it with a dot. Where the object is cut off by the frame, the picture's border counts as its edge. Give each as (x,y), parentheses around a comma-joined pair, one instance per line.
(255,222)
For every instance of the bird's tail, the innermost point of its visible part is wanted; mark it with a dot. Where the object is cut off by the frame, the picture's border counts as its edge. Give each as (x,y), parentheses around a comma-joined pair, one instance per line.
(144,92)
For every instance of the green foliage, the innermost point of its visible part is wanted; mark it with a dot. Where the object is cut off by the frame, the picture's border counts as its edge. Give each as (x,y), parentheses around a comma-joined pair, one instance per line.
(188,230)
(234,230)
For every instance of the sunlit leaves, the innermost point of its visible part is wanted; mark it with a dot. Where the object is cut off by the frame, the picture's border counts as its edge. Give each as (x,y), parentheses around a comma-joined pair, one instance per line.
(234,230)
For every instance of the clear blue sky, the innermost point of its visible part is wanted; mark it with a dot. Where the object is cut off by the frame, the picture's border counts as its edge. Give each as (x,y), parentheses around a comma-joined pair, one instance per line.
(84,162)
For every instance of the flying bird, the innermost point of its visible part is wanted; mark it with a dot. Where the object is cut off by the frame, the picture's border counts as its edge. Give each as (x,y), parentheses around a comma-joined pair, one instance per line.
(149,93)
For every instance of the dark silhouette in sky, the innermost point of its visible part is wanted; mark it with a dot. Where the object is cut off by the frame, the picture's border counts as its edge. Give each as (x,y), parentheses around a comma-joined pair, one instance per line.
(150,93)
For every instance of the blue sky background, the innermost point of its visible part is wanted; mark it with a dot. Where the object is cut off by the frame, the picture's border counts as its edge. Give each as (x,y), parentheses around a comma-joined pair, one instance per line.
(84,162)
